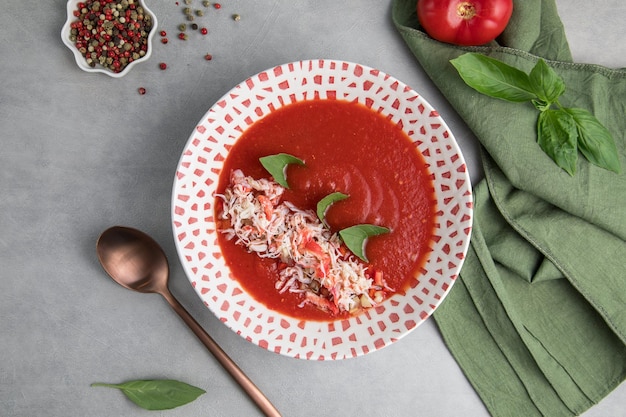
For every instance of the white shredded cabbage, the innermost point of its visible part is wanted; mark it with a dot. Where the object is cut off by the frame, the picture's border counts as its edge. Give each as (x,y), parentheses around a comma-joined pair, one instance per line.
(314,261)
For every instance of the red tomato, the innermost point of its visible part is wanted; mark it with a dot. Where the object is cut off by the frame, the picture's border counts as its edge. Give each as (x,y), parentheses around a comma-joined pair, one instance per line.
(464,22)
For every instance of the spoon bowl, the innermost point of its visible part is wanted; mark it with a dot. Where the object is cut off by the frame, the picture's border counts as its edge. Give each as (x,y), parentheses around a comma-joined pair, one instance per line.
(137,262)
(133,259)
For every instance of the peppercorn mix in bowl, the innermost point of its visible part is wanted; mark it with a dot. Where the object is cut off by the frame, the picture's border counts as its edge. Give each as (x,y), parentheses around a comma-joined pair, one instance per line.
(109,36)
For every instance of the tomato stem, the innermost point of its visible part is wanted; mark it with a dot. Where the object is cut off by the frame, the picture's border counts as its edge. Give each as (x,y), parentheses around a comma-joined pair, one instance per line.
(466,10)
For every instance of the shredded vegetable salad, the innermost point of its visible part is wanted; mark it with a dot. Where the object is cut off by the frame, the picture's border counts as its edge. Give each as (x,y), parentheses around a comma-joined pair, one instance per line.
(312,260)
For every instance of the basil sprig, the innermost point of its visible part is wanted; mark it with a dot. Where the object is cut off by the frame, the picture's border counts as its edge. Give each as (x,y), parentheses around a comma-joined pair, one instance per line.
(354,237)
(561,131)
(276,165)
(157,394)
(325,203)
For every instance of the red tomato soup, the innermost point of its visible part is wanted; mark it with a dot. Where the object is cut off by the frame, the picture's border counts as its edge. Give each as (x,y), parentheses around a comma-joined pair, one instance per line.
(352,149)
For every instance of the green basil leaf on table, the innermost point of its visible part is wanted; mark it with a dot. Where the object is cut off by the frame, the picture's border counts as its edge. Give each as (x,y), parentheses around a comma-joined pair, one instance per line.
(494,78)
(355,237)
(325,203)
(594,140)
(157,394)
(557,136)
(276,165)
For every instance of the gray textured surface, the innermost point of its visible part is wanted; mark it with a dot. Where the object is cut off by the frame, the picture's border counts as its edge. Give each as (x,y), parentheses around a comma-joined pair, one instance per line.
(81,152)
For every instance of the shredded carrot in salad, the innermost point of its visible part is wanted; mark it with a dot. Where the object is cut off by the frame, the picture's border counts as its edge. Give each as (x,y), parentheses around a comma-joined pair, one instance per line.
(312,259)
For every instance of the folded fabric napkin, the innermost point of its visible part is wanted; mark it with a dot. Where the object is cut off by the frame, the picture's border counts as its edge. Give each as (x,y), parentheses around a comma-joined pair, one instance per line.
(537,318)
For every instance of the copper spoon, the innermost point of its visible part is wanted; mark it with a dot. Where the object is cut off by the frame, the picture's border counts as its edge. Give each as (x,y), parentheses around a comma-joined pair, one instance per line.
(135,261)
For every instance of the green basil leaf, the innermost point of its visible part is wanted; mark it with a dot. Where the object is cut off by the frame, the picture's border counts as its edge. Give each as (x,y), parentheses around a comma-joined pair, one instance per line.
(324,203)
(355,237)
(557,136)
(494,78)
(561,132)
(594,140)
(546,84)
(157,394)
(276,165)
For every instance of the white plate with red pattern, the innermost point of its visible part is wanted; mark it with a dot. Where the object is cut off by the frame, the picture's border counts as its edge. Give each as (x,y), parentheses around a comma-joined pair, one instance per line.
(195,231)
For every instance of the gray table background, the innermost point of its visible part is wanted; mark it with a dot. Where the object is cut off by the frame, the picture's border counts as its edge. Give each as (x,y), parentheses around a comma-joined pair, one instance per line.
(81,152)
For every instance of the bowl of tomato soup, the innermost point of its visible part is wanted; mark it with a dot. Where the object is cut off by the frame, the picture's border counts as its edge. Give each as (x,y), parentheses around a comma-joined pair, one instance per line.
(277,262)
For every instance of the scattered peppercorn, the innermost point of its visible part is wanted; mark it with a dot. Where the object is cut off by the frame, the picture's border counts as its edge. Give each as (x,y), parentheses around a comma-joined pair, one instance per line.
(163,65)
(164,40)
(182,27)
(206,3)
(163,33)
(194,26)
(183,36)
(236,17)
(208,57)
(187,10)
(141,91)
(199,13)
(217,5)
(204,31)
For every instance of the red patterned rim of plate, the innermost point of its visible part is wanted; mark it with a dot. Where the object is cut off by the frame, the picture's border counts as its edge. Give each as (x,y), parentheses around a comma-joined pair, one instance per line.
(197,176)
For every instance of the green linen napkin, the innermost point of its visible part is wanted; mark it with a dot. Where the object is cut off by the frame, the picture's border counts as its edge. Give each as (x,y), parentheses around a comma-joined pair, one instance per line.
(537,318)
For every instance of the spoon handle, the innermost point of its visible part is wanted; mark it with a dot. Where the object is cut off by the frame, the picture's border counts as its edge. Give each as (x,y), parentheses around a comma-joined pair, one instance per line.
(248,386)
